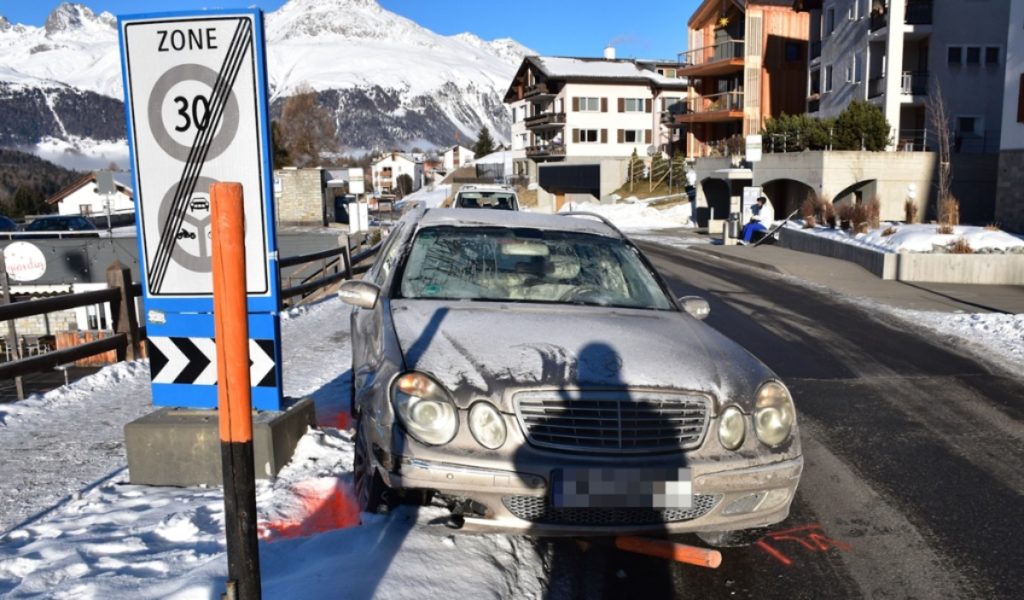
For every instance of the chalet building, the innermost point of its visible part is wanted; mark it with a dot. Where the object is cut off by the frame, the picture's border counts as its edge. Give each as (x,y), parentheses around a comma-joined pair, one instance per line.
(747,62)
(82,197)
(388,168)
(579,120)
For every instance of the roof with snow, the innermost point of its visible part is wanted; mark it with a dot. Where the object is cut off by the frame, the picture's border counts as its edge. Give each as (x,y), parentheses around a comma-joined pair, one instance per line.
(122,181)
(596,70)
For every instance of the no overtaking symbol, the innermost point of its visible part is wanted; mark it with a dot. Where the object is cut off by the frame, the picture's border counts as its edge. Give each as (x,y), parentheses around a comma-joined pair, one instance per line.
(193,360)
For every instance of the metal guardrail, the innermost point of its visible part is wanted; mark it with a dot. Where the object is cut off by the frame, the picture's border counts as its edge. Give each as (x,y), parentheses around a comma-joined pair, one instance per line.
(728,50)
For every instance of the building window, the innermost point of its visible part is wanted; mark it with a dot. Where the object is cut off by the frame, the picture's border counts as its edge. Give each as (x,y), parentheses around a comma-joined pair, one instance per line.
(589,136)
(815,83)
(973,55)
(992,55)
(828,78)
(633,136)
(632,105)
(793,53)
(968,126)
(667,101)
(1020,100)
(955,55)
(590,104)
(858,67)
(830,21)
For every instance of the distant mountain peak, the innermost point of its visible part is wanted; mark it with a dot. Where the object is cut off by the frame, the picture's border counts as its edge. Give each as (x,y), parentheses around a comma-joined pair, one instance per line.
(69,17)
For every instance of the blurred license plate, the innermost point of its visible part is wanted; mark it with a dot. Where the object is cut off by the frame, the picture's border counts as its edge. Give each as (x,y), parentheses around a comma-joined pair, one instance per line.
(621,488)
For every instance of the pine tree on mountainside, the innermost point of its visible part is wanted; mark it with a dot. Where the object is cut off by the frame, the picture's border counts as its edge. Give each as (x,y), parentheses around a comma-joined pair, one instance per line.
(484,144)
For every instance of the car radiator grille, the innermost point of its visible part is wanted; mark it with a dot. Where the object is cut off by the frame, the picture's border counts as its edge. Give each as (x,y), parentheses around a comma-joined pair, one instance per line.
(613,421)
(537,509)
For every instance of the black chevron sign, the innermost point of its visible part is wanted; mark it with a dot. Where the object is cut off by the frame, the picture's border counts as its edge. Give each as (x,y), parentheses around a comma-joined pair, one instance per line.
(194,361)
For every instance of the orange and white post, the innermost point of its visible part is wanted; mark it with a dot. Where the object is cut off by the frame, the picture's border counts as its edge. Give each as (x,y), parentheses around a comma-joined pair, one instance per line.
(234,394)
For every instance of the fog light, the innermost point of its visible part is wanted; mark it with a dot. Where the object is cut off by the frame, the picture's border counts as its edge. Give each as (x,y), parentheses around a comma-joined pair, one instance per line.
(775,499)
(486,425)
(732,428)
(744,504)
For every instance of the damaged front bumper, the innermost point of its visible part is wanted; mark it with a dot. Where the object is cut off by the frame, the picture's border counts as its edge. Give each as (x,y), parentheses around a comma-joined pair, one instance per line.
(724,498)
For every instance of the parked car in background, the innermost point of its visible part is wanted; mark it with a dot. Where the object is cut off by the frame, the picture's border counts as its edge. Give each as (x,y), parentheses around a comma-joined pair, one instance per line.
(55,225)
(61,223)
(7,224)
(501,197)
(506,363)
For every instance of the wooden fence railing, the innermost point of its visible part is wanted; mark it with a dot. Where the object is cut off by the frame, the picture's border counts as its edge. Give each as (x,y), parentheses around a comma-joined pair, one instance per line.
(120,294)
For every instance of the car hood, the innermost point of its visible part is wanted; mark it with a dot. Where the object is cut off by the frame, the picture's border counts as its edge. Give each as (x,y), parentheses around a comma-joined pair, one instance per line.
(486,349)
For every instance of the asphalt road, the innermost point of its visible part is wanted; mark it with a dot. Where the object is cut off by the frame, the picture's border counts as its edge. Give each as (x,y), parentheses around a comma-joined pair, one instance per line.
(913,484)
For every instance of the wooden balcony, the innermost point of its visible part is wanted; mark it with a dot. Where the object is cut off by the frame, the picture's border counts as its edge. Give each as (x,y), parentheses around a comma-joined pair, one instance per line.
(713,108)
(546,121)
(546,151)
(719,59)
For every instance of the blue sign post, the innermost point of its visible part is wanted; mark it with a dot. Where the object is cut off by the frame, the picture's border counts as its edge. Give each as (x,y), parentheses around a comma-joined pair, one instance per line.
(196,105)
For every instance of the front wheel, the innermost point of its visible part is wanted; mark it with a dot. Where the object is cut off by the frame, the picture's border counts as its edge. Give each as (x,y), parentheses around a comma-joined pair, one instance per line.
(369,487)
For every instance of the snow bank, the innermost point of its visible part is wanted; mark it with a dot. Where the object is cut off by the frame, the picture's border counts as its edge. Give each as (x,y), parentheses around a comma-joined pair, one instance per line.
(638,216)
(923,238)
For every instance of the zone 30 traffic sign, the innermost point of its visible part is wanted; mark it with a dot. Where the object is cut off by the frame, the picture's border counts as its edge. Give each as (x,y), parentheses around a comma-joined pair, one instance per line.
(196,107)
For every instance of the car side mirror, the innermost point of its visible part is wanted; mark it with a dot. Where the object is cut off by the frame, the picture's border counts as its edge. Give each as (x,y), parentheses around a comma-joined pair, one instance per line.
(362,294)
(697,307)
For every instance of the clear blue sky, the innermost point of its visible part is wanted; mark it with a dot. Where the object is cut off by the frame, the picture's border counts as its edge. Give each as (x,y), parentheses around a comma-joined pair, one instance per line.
(650,29)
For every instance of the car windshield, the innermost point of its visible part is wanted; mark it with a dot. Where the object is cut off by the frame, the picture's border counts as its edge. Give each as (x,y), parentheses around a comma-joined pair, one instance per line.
(528,265)
(479,199)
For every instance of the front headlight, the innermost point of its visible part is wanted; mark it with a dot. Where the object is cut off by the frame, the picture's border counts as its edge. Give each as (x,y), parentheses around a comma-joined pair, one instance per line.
(773,414)
(486,425)
(732,428)
(424,408)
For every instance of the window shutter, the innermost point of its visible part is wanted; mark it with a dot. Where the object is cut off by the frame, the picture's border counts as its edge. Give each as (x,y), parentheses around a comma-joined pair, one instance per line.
(621,136)
(622,105)
(647,105)
(604,136)
(647,136)
(575,104)
(1020,100)
(604,105)
(575,136)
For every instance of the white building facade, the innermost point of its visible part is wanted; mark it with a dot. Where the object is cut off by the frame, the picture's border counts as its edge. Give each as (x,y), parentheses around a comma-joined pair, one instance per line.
(574,111)
(457,156)
(387,169)
(83,198)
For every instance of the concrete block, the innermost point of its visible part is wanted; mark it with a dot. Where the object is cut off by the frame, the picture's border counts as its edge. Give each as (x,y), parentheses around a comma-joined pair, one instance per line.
(882,264)
(181,447)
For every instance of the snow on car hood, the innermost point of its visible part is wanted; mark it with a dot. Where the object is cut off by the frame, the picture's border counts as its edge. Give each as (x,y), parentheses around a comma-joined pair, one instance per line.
(479,349)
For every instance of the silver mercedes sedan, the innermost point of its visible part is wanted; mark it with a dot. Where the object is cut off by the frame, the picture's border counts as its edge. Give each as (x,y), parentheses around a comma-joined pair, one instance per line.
(534,374)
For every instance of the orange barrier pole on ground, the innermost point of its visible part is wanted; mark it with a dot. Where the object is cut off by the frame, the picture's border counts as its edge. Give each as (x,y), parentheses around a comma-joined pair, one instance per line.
(234,389)
(691,555)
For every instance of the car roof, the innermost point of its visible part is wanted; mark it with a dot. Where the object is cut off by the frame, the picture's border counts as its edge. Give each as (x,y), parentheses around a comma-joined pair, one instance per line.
(469,217)
(486,187)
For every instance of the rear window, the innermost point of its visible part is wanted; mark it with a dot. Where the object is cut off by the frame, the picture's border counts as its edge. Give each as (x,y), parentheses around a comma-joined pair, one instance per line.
(486,199)
(528,265)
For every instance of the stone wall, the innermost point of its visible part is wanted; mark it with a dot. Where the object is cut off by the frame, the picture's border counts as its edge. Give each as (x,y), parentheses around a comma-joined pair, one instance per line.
(299,195)
(1010,191)
(49,324)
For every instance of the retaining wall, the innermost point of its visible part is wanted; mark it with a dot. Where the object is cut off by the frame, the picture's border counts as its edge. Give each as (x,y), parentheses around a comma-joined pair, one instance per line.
(982,269)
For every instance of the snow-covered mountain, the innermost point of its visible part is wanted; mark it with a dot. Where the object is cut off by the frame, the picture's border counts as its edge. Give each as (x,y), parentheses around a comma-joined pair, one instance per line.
(390,82)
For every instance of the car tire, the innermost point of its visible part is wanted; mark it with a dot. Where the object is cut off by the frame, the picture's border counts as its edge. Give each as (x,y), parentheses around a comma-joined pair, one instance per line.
(370,489)
(731,539)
